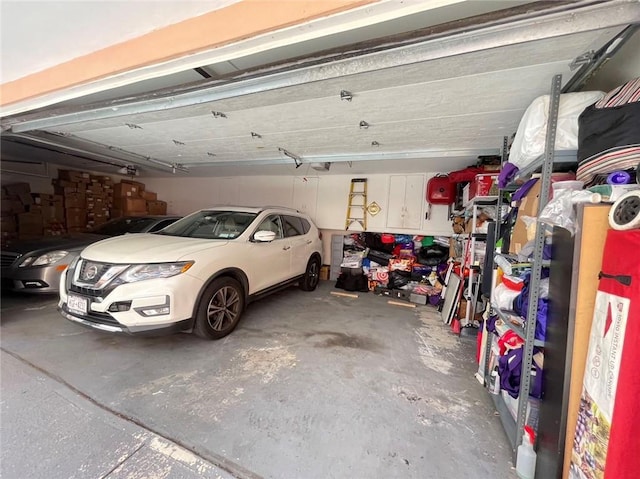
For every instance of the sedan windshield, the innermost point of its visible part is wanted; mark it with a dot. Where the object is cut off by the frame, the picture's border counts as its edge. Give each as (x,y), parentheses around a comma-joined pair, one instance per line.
(121,226)
(211,225)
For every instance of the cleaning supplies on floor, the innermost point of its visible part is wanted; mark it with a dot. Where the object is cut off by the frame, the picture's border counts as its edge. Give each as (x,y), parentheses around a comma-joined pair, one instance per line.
(526,459)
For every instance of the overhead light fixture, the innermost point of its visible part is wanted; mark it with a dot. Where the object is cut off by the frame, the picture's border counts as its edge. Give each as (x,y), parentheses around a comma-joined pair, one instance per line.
(321,166)
(345,95)
(295,158)
(129,170)
(364,125)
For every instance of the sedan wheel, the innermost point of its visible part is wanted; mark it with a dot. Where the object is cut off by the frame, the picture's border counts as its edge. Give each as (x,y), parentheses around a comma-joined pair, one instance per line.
(220,309)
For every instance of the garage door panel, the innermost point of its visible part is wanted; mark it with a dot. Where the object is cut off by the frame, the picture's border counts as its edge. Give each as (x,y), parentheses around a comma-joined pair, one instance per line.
(556,50)
(401,136)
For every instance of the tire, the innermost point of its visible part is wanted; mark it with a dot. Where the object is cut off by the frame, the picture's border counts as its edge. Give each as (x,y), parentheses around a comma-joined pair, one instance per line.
(625,213)
(220,309)
(311,276)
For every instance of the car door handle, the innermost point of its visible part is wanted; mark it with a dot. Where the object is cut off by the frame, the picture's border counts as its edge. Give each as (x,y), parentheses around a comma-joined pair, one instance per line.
(286,248)
(309,241)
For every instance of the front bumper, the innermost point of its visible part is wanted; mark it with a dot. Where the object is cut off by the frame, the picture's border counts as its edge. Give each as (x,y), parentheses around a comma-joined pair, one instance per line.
(38,279)
(149,329)
(125,308)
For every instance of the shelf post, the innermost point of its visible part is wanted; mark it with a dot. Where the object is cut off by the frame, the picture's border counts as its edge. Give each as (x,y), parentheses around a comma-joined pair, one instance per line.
(536,270)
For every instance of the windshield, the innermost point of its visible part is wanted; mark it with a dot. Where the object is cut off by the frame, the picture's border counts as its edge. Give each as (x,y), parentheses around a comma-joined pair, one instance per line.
(121,226)
(211,224)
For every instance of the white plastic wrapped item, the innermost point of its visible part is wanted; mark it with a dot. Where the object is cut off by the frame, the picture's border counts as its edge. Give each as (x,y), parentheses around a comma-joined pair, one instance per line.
(529,141)
(502,297)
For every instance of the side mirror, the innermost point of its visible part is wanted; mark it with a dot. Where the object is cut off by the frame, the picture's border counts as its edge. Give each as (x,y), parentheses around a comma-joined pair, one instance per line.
(264,236)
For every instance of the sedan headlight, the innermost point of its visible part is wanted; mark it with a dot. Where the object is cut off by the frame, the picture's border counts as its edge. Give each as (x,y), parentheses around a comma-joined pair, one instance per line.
(44,259)
(140,272)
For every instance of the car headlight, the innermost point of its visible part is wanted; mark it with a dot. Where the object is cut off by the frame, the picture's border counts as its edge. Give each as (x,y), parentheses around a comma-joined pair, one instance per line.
(44,259)
(140,272)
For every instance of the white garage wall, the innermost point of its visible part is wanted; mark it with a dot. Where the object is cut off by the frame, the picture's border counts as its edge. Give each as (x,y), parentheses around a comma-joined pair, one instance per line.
(330,193)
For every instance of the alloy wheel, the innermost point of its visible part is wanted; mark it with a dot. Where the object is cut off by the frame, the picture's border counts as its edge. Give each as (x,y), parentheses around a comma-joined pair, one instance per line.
(223,308)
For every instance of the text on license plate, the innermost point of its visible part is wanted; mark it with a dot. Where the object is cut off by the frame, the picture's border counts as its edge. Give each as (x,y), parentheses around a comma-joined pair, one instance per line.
(77,304)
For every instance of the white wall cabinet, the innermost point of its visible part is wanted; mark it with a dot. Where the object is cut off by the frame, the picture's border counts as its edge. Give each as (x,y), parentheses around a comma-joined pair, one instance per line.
(406,201)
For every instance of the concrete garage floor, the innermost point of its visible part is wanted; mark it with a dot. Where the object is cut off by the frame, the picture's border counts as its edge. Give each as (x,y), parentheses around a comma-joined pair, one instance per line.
(309,385)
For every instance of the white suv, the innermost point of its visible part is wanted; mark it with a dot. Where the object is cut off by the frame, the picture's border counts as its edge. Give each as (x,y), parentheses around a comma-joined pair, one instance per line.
(197,274)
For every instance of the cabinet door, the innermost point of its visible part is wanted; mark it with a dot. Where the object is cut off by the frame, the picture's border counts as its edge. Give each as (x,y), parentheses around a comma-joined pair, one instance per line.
(305,195)
(414,201)
(395,209)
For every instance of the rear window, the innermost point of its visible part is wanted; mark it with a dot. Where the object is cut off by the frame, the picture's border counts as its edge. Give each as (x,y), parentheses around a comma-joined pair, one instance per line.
(293,226)
(306,226)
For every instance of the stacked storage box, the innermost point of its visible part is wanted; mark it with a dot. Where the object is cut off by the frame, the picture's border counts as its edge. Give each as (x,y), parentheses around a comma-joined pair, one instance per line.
(99,198)
(51,207)
(154,206)
(28,222)
(72,185)
(16,200)
(128,200)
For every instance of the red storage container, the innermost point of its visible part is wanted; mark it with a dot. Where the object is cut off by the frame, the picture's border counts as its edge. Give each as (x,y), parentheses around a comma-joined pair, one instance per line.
(441,191)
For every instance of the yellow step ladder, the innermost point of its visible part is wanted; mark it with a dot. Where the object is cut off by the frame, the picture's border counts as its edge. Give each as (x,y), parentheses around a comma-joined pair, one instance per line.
(356,210)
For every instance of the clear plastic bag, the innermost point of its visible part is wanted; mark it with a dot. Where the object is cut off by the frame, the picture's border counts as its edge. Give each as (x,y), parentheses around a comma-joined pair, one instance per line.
(560,212)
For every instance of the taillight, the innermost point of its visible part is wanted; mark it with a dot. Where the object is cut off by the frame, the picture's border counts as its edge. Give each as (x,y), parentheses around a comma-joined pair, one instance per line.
(320,235)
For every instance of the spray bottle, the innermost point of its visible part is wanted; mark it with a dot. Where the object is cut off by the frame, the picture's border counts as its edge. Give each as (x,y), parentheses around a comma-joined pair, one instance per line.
(526,459)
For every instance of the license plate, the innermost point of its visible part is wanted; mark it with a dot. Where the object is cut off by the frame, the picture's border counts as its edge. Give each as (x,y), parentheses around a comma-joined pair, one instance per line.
(77,304)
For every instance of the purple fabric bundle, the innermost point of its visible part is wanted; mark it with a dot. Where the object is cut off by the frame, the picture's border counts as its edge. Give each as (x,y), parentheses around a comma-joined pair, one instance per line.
(508,172)
(510,370)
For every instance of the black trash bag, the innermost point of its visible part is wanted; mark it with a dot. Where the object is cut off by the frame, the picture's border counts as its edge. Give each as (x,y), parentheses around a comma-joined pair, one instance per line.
(374,241)
(352,282)
(379,257)
(433,255)
(398,279)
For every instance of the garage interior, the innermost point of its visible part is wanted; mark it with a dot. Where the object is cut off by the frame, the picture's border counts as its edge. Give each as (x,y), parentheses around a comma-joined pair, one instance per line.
(286,110)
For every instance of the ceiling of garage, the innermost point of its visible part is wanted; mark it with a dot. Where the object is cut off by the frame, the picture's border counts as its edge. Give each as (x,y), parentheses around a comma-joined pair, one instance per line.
(434,105)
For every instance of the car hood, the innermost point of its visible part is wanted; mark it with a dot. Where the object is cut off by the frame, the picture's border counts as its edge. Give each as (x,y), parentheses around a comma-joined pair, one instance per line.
(67,242)
(147,248)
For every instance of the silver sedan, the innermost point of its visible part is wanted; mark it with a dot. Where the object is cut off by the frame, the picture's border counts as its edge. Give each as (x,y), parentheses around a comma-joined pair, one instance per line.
(36,266)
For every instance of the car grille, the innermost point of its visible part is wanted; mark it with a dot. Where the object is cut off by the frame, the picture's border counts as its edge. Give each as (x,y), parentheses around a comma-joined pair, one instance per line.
(8,258)
(94,293)
(91,271)
(95,317)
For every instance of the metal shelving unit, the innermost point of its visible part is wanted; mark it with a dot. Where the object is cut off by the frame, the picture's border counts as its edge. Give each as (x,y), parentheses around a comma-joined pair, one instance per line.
(545,165)
(507,318)
(475,277)
(563,160)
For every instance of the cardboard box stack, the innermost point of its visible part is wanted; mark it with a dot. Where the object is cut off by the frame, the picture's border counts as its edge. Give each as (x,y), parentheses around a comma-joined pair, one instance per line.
(16,212)
(99,200)
(80,201)
(154,206)
(72,185)
(51,207)
(128,200)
